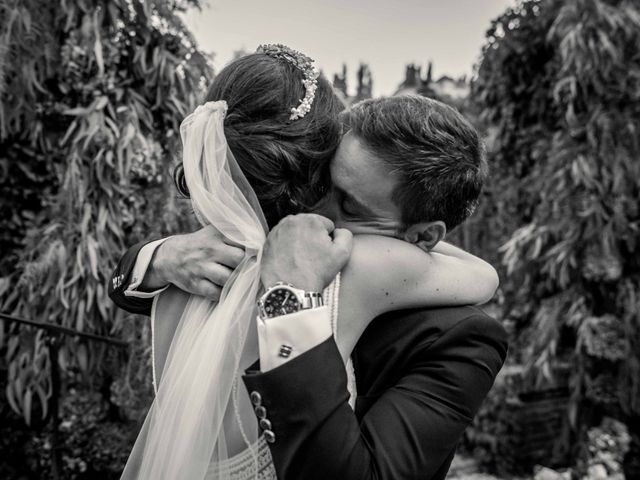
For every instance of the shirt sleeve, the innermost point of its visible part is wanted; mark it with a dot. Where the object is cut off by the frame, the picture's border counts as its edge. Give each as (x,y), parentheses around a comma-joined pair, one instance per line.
(140,270)
(283,338)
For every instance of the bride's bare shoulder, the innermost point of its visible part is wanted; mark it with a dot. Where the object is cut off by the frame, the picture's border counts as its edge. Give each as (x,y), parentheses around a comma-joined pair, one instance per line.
(380,241)
(384,249)
(374,255)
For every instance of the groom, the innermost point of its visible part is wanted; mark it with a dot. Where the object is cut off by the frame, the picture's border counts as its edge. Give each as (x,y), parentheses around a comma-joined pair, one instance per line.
(421,374)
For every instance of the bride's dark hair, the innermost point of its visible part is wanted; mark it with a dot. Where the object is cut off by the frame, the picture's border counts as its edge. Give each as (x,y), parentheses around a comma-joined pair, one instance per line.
(285,161)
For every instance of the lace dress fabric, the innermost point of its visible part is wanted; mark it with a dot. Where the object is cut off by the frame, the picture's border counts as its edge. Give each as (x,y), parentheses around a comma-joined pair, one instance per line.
(255,463)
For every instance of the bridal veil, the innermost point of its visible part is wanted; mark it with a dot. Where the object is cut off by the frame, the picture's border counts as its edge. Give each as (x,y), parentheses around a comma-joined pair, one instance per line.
(201,415)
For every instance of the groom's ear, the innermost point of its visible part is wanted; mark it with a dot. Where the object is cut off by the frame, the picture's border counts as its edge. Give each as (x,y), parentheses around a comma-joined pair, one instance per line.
(425,235)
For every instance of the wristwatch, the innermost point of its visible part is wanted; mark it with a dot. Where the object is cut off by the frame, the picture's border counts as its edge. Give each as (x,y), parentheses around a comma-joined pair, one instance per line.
(283,299)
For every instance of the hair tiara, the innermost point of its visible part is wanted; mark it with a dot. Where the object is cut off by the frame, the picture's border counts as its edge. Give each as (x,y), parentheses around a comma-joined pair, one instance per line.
(302,63)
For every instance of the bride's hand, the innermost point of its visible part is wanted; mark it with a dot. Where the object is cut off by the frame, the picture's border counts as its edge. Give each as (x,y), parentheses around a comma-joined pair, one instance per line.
(199,263)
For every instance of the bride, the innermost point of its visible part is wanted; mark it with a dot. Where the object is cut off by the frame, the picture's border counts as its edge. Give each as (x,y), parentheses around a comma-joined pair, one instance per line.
(252,154)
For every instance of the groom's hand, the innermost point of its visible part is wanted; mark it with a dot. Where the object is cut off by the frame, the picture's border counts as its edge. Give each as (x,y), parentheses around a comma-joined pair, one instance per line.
(199,263)
(306,251)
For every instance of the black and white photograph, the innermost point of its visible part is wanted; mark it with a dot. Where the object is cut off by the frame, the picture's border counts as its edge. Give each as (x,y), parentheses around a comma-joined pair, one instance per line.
(320,240)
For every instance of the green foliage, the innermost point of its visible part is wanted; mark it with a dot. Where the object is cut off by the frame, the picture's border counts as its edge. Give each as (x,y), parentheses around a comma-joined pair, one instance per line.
(559,87)
(607,445)
(92,96)
(91,444)
(98,422)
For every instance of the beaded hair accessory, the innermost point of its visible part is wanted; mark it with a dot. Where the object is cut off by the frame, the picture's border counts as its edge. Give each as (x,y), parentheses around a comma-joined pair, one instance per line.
(305,65)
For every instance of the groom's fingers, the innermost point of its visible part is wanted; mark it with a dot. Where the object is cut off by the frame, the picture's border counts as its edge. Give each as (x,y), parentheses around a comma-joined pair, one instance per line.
(206,289)
(208,244)
(327,224)
(301,250)
(216,273)
(343,241)
(228,255)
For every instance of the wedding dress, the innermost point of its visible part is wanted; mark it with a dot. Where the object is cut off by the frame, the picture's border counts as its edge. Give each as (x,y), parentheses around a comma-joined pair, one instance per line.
(201,425)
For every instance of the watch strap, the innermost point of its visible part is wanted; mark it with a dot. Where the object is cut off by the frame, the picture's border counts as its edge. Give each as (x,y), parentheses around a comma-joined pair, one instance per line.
(312,300)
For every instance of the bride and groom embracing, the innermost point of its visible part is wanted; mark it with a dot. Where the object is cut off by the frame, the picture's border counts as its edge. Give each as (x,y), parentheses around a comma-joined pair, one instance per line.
(283,347)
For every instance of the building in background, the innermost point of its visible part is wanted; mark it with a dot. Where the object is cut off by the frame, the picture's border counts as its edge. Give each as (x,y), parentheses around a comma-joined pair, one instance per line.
(364,87)
(445,88)
(450,90)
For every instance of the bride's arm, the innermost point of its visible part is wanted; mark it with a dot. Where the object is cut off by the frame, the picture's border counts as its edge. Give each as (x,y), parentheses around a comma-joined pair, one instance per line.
(385,274)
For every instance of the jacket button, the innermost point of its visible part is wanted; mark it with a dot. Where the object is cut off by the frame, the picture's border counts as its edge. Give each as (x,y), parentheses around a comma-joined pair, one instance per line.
(261,412)
(269,436)
(265,424)
(256,399)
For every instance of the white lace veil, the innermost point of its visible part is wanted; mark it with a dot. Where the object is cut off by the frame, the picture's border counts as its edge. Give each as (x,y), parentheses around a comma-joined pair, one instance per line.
(202,415)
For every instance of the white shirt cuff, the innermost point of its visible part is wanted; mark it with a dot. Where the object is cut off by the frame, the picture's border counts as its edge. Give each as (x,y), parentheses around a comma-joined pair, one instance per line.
(140,270)
(285,337)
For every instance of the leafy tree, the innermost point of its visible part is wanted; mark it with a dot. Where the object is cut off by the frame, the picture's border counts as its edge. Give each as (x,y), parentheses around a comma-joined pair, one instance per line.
(92,96)
(559,84)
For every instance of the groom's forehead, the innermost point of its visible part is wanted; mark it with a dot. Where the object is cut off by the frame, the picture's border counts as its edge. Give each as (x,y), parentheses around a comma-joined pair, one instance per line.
(356,165)
(353,158)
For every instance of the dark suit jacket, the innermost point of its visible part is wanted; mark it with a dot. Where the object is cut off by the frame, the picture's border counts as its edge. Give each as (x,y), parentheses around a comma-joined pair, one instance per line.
(121,278)
(421,377)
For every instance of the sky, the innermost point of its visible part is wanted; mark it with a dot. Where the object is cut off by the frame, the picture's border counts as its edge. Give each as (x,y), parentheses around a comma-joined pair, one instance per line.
(385,34)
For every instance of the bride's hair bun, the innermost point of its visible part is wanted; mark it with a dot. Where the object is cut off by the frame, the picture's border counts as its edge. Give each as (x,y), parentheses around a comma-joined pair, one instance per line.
(285,161)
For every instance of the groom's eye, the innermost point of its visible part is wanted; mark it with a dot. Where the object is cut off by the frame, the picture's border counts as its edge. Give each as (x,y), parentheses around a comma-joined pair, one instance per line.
(348,207)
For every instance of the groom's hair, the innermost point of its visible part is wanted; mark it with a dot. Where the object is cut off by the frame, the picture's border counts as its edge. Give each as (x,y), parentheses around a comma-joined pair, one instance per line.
(285,161)
(431,147)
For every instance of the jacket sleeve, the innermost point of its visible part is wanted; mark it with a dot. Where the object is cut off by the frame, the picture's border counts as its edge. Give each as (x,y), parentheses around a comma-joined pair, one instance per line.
(409,432)
(120,280)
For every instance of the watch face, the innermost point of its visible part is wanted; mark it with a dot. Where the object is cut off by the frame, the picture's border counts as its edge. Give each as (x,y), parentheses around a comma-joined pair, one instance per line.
(280,301)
